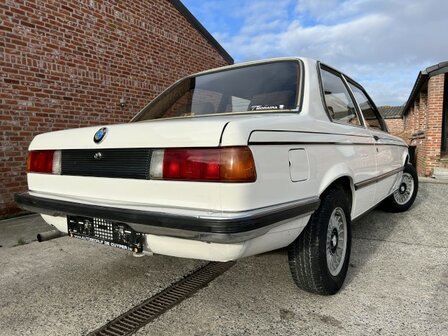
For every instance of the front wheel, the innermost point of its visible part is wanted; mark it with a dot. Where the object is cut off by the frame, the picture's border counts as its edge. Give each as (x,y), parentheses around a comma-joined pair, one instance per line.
(319,257)
(403,198)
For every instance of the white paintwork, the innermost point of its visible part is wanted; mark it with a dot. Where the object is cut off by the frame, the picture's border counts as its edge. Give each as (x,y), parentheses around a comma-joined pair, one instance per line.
(299,165)
(158,133)
(60,223)
(387,158)
(276,238)
(277,182)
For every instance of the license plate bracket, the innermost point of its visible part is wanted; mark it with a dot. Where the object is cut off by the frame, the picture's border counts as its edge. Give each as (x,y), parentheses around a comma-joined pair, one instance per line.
(105,232)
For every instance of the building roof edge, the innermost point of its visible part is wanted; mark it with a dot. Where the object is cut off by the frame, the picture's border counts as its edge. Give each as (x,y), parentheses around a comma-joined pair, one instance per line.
(422,78)
(199,27)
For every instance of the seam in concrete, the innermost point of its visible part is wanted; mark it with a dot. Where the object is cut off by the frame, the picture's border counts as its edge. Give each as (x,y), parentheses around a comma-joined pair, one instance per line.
(400,242)
(431,180)
(16,218)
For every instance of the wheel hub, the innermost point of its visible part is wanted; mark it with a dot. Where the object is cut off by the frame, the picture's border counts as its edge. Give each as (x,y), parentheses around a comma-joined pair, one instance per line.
(404,192)
(403,188)
(334,241)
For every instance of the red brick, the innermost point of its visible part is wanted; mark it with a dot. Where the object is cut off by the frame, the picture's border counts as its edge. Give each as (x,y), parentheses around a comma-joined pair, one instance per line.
(395,126)
(426,115)
(65,70)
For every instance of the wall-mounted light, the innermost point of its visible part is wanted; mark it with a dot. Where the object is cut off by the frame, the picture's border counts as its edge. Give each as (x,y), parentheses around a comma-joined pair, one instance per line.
(123,102)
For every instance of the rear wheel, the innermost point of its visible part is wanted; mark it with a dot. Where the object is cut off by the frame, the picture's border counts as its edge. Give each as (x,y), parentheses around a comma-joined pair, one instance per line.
(403,198)
(319,257)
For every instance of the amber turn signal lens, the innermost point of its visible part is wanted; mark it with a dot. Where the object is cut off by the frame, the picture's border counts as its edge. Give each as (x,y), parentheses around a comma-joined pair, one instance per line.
(237,165)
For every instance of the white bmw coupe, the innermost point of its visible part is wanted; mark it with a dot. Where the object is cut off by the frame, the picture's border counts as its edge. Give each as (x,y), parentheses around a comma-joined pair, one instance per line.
(230,163)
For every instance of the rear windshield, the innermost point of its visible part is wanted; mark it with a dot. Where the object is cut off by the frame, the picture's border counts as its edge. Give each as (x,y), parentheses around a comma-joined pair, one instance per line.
(261,87)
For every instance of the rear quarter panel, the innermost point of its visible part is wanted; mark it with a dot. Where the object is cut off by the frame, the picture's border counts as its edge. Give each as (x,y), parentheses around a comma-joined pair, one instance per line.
(333,151)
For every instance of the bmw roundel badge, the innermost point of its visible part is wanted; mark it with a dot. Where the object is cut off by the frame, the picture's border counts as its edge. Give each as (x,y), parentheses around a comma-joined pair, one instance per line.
(100,135)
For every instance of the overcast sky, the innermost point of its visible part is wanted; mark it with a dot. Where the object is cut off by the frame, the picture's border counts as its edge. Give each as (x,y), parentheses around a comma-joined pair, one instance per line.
(383,44)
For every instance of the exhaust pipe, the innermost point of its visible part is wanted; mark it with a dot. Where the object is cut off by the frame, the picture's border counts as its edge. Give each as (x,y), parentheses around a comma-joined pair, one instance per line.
(44,236)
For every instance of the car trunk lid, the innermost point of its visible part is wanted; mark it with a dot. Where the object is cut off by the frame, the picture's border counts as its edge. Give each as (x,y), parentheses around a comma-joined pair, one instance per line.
(200,132)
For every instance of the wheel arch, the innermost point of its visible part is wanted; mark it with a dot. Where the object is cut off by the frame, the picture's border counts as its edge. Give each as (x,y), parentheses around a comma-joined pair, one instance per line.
(342,177)
(406,157)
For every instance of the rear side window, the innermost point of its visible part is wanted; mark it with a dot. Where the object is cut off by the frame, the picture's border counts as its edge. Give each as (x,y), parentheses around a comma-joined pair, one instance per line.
(339,103)
(368,110)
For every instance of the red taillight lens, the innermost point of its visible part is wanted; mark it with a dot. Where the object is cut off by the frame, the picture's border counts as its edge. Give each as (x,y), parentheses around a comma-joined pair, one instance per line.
(191,164)
(45,161)
(228,164)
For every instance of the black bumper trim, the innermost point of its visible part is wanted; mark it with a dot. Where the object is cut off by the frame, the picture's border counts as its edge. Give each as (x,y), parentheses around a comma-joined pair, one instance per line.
(164,220)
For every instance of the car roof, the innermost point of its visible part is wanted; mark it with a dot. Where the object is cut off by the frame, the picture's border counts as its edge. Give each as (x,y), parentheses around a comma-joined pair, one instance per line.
(309,61)
(262,61)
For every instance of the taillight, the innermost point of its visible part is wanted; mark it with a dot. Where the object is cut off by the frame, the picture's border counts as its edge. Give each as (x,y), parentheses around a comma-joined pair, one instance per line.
(44,161)
(227,164)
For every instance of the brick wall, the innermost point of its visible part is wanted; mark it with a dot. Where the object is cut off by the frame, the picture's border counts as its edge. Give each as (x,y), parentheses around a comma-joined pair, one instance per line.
(426,115)
(395,125)
(433,132)
(66,64)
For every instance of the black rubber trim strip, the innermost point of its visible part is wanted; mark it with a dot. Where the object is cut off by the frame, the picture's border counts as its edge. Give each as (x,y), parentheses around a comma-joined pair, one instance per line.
(267,143)
(222,133)
(309,132)
(186,223)
(301,86)
(385,139)
(370,181)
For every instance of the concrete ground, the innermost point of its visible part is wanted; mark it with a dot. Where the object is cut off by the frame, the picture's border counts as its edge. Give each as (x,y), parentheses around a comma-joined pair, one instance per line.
(21,230)
(397,284)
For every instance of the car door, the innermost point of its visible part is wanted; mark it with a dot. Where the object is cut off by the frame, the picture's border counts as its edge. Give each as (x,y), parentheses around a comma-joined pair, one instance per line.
(359,151)
(388,151)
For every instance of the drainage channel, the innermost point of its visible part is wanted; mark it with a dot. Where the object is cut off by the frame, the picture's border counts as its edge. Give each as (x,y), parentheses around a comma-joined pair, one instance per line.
(150,309)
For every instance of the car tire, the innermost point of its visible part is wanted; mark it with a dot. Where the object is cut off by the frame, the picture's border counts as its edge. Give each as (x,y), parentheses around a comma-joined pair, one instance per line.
(403,198)
(319,257)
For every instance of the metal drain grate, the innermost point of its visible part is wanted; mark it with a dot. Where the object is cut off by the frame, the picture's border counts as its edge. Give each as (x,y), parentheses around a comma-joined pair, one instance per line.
(145,312)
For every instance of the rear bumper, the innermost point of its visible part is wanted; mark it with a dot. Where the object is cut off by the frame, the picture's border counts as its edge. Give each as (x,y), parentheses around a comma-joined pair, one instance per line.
(220,227)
